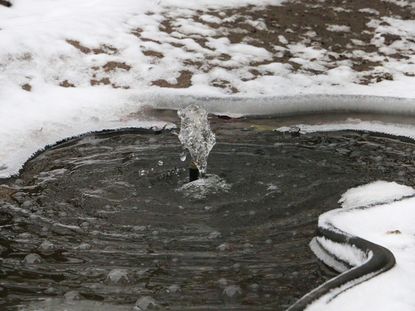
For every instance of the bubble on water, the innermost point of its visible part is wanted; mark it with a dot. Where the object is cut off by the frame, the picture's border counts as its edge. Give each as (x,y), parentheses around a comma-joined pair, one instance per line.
(173,289)
(51,291)
(72,296)
(118,277)
(201,188)
(32,259)
(139,228)
(236,267)
(2,249)
(183,156)
(224,247)
(223,282)
(214,235)
(84,246)
(46,247)
(27,204)
(254,287)
(85,225)
(24,236)
(232,291)
(145,303)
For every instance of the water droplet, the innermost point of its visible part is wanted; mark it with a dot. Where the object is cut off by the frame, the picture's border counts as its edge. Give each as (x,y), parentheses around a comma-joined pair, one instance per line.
(183,156)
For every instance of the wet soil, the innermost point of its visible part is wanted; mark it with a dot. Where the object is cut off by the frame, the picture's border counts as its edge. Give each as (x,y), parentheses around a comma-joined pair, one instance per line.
(107,223)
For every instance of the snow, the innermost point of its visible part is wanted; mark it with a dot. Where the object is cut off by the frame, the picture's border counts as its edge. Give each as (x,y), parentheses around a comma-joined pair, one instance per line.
(390,224)
(374,193)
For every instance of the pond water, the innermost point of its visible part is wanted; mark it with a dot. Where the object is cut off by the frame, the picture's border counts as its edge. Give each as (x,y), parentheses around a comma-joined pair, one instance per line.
(106,222)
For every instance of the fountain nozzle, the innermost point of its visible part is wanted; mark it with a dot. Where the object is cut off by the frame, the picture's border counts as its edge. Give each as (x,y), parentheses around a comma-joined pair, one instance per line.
(194,173)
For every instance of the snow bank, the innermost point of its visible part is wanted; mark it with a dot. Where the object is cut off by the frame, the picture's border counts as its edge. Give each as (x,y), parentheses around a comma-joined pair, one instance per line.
(374,193)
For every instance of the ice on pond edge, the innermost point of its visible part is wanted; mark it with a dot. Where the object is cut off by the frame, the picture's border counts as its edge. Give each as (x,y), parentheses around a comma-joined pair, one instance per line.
(195,135)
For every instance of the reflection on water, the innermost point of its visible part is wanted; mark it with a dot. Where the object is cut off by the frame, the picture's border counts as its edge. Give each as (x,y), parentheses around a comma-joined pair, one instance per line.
(99,224)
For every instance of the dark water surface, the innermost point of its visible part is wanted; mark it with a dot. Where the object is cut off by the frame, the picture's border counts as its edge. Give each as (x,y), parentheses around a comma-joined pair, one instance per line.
(107,221)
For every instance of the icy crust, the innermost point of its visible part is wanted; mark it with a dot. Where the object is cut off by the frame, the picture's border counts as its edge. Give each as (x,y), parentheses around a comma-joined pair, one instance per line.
(388,223)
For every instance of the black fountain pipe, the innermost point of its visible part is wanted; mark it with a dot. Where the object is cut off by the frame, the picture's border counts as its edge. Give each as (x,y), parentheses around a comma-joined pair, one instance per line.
(381,260)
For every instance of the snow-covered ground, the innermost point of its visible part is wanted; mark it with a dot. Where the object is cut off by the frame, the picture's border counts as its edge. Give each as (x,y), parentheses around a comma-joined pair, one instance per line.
(68,67)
